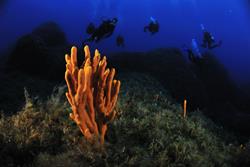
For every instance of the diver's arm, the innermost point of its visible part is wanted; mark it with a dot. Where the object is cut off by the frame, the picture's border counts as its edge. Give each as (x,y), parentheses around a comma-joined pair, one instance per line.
(216,45)
(204,43)
(146,28)
(109,34)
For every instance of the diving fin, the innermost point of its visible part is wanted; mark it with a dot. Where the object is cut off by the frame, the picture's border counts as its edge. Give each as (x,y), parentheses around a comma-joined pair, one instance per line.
(90,29)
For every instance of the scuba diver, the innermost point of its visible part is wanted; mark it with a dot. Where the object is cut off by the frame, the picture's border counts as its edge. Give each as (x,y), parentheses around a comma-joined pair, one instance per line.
(194,54)
(208,39)
(105,30)
(152,27)
(120,41)
(191,56)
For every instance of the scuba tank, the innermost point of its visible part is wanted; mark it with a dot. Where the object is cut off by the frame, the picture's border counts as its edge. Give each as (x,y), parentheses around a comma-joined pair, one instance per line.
(212,37)
(204,30)
(195,48)
(153,20)
(202,27)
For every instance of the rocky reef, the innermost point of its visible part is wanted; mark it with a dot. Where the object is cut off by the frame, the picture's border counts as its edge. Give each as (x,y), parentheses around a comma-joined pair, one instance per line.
(206,85)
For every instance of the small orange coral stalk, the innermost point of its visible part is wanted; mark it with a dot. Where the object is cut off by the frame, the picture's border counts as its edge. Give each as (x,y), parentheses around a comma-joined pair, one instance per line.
(92,93)
(185,108)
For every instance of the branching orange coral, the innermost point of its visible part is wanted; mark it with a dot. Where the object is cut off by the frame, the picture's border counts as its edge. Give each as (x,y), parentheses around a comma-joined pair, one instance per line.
(92,93)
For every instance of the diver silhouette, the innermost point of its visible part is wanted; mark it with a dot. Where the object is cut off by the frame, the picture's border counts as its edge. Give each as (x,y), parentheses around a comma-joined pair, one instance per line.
(194,54)
(152,27)
(191,56)
(120,41)
(105,30)
(208,40)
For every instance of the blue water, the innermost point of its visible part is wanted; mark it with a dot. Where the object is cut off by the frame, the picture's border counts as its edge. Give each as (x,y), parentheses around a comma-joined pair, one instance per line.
(228,20)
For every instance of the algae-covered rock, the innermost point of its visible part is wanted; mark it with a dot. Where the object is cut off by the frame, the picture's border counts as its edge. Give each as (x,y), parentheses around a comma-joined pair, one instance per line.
(149,131)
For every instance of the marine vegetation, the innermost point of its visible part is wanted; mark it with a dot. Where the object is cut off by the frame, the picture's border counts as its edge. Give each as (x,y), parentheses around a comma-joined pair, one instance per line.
(149,130)
(92,93)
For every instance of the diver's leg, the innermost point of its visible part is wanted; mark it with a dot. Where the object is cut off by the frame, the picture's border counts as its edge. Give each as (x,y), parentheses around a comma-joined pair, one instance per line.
(193,58)
(190,57)
(216,45)
(109,34)
(97,39)
(210,45)
(153,32)
(204,44)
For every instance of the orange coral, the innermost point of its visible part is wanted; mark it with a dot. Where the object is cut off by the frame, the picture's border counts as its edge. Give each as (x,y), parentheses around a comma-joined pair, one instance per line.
(185,108)
(92,93)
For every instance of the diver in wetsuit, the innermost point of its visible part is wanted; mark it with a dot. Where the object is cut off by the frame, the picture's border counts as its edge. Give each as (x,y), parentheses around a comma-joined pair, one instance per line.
(191,56)
(105,30)
(194,54)
(152,27)
(208,40)
(120,41)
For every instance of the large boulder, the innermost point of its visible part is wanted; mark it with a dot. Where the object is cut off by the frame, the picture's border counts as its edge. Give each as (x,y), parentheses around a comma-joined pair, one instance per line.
(40,53)
(51,34)
(29,55)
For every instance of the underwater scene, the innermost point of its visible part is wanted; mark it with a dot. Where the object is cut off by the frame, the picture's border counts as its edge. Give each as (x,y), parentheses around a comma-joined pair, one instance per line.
(125,83)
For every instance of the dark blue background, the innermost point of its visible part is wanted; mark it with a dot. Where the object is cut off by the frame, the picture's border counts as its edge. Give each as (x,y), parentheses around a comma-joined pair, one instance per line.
(179,22)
